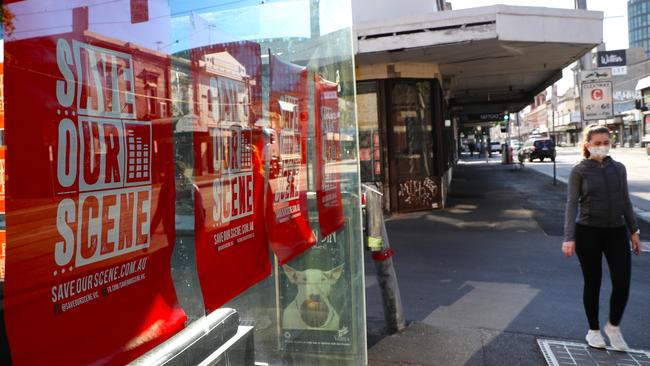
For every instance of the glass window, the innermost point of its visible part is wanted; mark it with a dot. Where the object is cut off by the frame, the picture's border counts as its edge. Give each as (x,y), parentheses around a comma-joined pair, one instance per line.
(412,127)
(370,144)
(182,158)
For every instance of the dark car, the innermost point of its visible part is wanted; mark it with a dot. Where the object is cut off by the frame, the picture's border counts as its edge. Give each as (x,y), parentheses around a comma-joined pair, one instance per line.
(538,148)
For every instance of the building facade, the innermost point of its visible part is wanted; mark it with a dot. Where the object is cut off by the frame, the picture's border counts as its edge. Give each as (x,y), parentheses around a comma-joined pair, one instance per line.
(638,24)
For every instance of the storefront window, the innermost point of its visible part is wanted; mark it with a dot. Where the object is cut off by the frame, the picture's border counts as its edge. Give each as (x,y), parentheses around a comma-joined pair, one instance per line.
(370,146)
(411,145)
(181,158)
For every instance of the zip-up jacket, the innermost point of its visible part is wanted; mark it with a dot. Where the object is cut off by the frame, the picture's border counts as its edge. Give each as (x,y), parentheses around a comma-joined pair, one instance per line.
(598,196)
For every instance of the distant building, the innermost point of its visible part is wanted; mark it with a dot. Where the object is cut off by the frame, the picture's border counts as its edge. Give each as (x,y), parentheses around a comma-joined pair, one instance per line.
(638,24)
(536,116)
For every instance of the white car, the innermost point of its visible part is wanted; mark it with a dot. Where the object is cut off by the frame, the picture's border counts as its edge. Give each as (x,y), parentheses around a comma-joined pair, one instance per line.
(495,146)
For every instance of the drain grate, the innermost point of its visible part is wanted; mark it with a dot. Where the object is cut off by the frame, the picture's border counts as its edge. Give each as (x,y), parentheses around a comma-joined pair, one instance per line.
(562,353)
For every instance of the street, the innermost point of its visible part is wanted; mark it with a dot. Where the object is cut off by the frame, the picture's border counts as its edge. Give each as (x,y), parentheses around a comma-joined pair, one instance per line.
(635,160)
(483,279)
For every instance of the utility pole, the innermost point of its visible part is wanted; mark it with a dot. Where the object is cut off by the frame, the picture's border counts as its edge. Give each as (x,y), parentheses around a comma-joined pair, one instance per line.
(554,139)
(585,64)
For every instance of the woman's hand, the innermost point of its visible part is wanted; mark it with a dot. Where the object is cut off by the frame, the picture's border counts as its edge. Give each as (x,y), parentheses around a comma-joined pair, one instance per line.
(636,244)
(568,247)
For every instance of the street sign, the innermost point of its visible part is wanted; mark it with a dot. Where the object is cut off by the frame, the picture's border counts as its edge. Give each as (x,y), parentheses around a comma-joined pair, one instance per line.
(597,102)
(596,94)
(596,74)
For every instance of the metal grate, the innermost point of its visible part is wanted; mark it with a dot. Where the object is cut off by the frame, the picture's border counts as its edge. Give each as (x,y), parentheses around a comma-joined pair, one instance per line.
(562,353)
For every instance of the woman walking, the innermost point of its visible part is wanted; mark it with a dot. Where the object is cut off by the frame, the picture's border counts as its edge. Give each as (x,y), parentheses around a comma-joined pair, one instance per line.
(599,220)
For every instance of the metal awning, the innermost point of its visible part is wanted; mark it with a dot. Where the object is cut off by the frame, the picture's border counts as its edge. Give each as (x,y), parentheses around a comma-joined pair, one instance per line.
(643,83)
(491,59)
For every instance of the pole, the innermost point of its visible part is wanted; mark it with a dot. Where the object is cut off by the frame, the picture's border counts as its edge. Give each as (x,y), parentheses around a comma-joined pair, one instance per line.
(509,145)
(486,145)
(554,142)
(518,128)
(382,255)
(585,64)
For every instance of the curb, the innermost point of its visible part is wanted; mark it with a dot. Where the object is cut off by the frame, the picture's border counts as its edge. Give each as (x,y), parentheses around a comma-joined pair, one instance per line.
(640,213)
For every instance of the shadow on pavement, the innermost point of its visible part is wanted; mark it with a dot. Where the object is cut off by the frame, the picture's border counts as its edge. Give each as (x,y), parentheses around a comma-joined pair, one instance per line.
(483,278)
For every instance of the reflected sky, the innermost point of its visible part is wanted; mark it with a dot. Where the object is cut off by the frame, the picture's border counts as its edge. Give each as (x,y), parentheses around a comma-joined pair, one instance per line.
(178,25)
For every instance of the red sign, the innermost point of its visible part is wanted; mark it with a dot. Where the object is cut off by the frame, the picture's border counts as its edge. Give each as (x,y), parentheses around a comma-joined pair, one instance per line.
(597,94)
(3,251)
(90,209)
(2,179)
(328,157)
(2,143)
(287,213)
(231,241)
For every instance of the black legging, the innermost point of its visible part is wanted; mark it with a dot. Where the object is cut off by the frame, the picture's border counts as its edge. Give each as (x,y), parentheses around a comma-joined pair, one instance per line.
(591,243)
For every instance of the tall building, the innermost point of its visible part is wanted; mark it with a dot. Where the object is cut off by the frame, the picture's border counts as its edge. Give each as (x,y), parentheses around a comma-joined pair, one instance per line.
(638,24)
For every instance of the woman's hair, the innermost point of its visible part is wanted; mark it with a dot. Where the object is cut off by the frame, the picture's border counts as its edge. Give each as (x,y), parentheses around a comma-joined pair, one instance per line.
(589,131)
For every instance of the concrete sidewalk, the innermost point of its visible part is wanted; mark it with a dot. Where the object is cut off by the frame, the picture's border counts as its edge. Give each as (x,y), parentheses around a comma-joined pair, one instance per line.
(484,278)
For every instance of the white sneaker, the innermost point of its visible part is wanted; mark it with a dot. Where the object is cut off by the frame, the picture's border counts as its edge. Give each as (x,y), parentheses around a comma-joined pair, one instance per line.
(615,337)
(595,339)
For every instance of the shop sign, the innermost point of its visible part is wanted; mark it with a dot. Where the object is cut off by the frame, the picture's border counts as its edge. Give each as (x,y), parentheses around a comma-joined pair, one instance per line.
(328,156)
(611,58)
(597,100)
(91,197)
(231,240)
(482,117)
(619,70)
(287,213)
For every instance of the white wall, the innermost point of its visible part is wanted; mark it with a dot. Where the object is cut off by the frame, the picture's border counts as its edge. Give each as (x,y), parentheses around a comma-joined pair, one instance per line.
(373,10)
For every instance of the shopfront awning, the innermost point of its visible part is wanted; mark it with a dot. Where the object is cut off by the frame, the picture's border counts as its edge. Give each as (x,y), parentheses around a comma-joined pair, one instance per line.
(643,83)
(491,59)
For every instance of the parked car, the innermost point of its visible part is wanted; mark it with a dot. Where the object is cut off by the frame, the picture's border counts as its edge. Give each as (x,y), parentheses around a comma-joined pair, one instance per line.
(495,146)
(537,148)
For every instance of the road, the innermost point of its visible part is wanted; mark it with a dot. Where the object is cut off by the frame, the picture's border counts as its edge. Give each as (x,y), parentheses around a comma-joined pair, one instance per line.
(484,278)
(635,160)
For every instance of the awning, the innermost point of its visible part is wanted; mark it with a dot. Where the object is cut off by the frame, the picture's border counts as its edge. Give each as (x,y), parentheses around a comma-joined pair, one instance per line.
(643,83)
(491,59)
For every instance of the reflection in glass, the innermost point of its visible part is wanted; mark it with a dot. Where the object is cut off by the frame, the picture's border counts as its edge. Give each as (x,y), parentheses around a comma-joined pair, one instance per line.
(147,163)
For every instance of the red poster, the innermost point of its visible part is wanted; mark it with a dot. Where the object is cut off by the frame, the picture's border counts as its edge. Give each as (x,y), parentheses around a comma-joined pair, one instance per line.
(231,243)
(3,251)
(328,157)
(2,143)
(3,152)
(90,208)
(287,211)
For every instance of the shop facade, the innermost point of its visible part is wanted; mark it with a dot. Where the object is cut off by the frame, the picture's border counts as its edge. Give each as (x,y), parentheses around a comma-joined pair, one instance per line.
(405,146)
(425,78)
(188,173)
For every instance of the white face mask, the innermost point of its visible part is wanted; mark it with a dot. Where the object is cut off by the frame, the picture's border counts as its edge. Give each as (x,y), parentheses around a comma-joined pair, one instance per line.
(598,151)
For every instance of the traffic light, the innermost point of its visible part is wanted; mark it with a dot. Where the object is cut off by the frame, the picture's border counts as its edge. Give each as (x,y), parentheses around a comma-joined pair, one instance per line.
(504,124)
